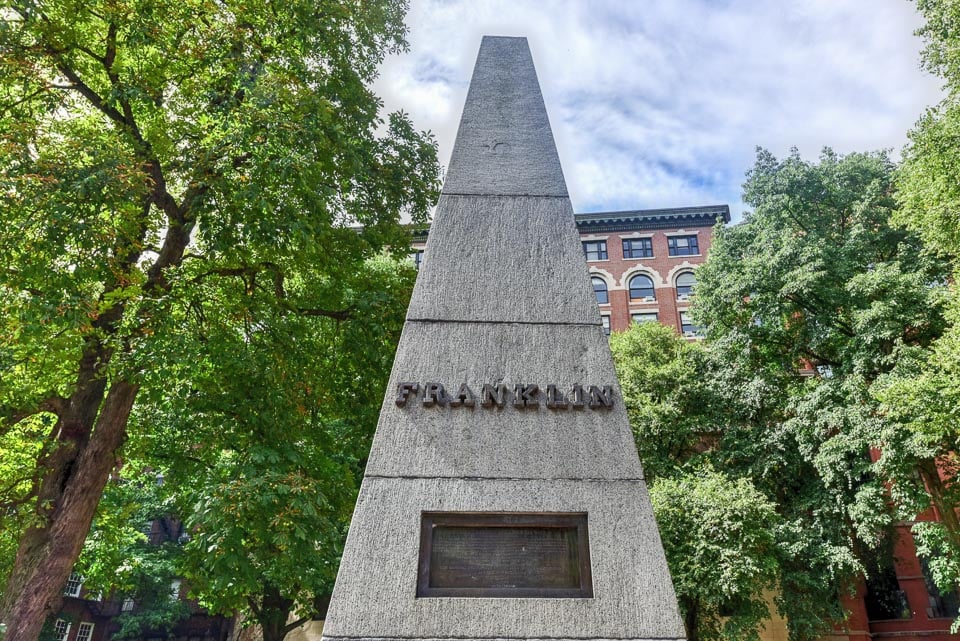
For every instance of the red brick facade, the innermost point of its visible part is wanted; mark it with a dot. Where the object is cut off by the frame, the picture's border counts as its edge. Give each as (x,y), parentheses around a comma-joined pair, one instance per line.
(663,267)
(660,262)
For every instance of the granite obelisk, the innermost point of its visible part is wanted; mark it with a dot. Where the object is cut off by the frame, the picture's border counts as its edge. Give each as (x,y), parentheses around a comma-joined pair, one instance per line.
(503,498)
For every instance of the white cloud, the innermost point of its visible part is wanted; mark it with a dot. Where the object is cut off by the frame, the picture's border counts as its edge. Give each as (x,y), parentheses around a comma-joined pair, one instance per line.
(661,103)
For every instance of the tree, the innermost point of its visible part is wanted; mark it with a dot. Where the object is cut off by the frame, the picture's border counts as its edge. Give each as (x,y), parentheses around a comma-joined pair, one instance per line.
(667,402)
(819,297)
(700,407)
(922,394)
(266,466)
(263,470)
(719,537)
(808,305)
(154,151)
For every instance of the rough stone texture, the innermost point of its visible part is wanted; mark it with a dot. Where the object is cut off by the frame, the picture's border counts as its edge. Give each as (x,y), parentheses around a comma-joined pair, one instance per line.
(503,296)
(498,639)
(504,145)
(633,597)
(515,259)
(507,442)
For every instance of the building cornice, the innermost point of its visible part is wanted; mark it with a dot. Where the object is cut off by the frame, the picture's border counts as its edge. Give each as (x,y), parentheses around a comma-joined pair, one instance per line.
(638,220)
(641,219)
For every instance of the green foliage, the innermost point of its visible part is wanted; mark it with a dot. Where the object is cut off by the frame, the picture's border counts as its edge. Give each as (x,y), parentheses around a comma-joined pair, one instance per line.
(921,396)
(197,197)
(818,278)
(809,305)
(928,189)
(265,438)
(727,411)
(119,562)
(941,32)
(20,445)
(660,377)
(719,537)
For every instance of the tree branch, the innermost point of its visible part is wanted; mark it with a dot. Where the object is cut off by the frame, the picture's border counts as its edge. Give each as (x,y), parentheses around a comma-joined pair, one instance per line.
(340,314)
(296,624)
(53,403)
(14,502)
(92,96)
(111,52)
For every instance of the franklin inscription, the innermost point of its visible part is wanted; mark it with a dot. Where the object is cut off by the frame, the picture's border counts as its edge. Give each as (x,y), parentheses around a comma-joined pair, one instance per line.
(519,395)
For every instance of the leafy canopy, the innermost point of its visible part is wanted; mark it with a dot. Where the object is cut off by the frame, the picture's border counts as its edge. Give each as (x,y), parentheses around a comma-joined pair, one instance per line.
(195,195)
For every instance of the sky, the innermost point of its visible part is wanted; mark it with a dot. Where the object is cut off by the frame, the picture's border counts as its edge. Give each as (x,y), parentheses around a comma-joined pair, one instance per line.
(662,103)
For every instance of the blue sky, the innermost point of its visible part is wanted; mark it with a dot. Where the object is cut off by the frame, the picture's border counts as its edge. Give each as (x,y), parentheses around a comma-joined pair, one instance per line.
(661,103)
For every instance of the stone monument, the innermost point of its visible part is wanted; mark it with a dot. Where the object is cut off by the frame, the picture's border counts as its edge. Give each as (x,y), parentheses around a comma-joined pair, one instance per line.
(503,498)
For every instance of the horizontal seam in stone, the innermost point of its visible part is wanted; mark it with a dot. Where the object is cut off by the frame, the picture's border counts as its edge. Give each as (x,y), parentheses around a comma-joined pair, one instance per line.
(505,195)
(500,322)
(408,477)
(534,638)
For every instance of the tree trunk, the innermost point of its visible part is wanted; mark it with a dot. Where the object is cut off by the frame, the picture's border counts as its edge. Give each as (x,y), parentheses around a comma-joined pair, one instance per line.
(690,621)
(274,613)
(76,472)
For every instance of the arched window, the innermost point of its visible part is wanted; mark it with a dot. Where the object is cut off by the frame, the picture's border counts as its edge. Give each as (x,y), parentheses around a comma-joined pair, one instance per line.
(685,283)
(600,289)
(641,286)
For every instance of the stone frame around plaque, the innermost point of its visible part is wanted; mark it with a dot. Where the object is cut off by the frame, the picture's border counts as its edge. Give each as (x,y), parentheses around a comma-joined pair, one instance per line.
(575,522)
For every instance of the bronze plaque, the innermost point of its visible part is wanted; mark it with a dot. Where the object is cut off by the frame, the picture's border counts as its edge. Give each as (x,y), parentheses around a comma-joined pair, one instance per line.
(504,554)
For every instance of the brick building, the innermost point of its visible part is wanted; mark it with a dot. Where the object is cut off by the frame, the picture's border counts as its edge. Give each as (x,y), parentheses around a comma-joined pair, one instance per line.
(88,616)
(641,262)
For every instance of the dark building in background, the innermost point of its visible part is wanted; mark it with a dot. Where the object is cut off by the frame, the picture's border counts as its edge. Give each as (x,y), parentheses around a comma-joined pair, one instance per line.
(87,616)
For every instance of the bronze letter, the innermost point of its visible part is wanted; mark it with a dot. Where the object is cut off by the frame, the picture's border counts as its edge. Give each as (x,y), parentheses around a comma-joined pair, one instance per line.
(577,402)
(464,396)
(601,397)
(493,395)
(526,395)
(555,399)
(404,390)
(434,393)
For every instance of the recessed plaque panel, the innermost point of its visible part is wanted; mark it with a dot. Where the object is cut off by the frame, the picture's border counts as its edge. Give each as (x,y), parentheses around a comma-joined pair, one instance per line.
(473,554)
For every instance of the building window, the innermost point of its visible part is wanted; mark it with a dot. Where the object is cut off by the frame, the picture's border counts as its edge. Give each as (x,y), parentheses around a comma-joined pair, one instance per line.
(638,248)
(687,326)
(72,588)
(600,289)
(127,605)
(884,599)
(85,632)
(595,249)
(175,589)
(605,321)
(942,605)
(683,246)
(641,287)
(61,629)
(418,258)
(685,283)
(644,317)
